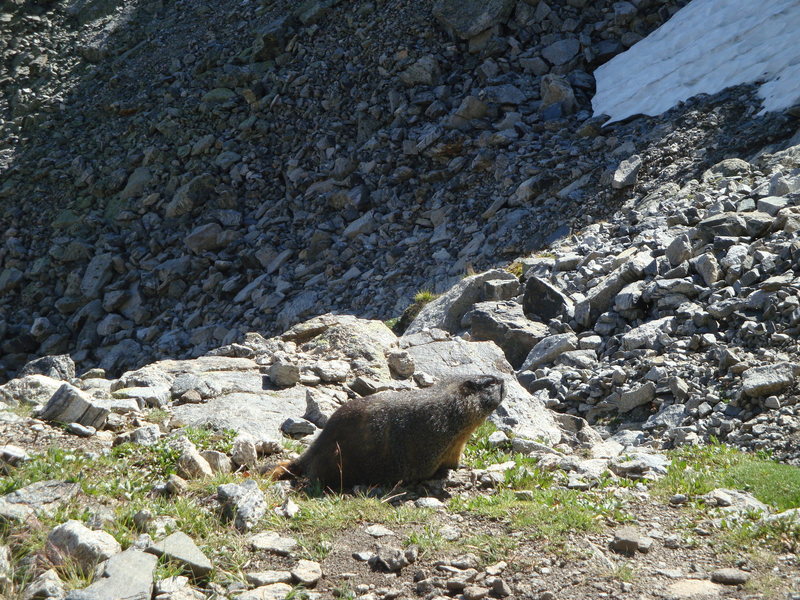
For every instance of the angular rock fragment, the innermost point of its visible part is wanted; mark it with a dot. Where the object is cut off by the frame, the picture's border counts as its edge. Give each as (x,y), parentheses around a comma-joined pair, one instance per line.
(181,548)
(71,405)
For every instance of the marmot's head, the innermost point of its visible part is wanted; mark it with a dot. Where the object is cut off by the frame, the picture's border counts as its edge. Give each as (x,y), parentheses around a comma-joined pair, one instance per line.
(487,390)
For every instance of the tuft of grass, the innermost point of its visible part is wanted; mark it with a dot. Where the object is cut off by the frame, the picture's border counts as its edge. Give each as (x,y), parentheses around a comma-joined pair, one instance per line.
(22,410)
(158,416)
(480,454)
(623,572)
(746,536)
(427,539)
(767,586)
(489,548)
(423,297)
(698,470)
(344,591)
(210,439)
(168,568)
(516,268)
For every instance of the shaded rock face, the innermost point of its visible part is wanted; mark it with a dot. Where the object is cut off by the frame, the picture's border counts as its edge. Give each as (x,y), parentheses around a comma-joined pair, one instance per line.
(164,210)
(468,18)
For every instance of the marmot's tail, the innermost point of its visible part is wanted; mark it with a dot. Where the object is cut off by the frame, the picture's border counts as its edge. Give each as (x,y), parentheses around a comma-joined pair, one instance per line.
(286,470)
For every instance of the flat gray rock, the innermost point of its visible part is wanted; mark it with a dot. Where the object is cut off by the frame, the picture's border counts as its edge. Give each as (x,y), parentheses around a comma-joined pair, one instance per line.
(127,576)
(467,18)
(692,589)
(270,541)
(240,396)
(180,548)
(259,415)
(548,349)
(730,576)
(41,496)
(275,591)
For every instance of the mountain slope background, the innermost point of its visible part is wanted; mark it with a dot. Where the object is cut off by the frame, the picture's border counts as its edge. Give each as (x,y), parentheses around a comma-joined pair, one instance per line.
(174,174)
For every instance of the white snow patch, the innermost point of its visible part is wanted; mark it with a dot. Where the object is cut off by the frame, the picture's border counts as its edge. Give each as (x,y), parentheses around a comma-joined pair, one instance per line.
(707,46)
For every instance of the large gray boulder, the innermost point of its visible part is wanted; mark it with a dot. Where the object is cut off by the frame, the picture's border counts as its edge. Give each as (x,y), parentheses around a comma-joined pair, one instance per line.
(769,379)
(447,311)
(443,358)
(40,497)
(504,324)
(544,301)
(363,343)
(242,400)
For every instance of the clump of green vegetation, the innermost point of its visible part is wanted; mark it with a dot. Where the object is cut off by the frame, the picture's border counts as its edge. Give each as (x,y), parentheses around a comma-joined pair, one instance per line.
(490,548)
(623,572)
(210,439)
(480,454)
(158,416)
(421,298)
(698,470)
(23,410)
(547,514)
(428,539)
(516,268)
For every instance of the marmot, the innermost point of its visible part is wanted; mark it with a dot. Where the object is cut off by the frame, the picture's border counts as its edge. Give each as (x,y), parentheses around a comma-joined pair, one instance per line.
(397,436)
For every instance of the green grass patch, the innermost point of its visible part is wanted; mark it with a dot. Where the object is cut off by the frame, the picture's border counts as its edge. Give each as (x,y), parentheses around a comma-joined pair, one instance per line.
(320,519)
(738,538)
(158,416)
(210,439)
(547,514)
(698,470)
(480,454)
(428,539)
(623,572)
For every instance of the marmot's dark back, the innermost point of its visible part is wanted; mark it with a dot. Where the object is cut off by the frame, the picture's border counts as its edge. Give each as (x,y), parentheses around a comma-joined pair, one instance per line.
(398,436)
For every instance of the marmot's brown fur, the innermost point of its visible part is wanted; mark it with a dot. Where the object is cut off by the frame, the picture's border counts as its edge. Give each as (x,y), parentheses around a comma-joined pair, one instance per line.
(397,436)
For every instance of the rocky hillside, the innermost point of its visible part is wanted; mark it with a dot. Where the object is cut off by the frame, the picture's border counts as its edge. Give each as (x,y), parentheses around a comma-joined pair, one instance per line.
(168,186)
(210,213)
